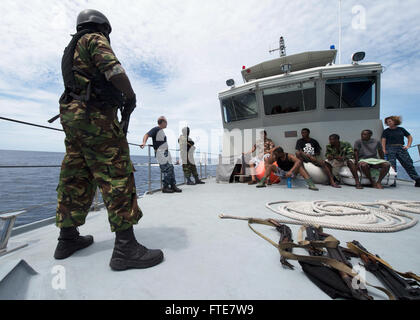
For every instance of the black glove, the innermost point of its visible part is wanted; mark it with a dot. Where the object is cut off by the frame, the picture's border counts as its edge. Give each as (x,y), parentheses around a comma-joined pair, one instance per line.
(128,107)
(126,111)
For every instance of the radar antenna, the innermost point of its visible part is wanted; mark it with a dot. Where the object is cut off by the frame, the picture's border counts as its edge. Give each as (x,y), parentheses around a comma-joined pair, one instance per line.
(281,48)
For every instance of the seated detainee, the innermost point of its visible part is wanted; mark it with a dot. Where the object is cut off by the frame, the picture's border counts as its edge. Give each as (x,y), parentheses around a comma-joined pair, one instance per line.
(308,149)
(286,162)
(366,152)
(263,147)
(339,154)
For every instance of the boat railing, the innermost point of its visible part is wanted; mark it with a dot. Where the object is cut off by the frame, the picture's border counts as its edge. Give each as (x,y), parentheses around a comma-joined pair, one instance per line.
(8,218)
(7,222)
(418,150)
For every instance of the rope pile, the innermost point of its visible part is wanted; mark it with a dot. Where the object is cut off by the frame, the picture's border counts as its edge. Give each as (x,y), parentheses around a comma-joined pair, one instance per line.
(379,216)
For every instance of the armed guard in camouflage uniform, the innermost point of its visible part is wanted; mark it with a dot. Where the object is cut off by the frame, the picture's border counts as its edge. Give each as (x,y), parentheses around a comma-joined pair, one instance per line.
(97,152)
(187,148)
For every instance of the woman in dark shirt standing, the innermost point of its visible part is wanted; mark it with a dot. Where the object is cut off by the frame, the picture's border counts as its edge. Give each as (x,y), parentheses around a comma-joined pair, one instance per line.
(394,147)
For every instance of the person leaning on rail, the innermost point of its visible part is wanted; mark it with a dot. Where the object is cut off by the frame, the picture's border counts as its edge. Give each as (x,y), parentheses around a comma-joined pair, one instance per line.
(97,152)
(394,148)
(163,155)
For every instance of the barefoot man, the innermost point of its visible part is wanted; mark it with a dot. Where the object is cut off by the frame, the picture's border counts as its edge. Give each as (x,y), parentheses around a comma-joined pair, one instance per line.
(366,152)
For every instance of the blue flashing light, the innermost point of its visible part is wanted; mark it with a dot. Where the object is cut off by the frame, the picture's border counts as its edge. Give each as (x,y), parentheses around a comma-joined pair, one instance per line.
(332,47)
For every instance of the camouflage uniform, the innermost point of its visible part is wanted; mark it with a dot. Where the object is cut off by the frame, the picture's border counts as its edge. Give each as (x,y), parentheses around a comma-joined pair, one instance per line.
(189,169)
(345,151)
(97,152)
(187,148)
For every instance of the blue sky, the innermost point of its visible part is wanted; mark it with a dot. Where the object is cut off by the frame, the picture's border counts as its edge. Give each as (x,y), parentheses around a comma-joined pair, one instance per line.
(178,55)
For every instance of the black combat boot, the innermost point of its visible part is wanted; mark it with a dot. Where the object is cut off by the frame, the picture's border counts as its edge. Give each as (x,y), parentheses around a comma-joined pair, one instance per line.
(166,189)
(198,181)
(190,182)
(129,254)
(175,188)
(70,241)
(417,184)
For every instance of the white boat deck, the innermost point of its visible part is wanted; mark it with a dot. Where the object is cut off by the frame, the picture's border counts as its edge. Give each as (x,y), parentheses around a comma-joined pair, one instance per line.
(205,257)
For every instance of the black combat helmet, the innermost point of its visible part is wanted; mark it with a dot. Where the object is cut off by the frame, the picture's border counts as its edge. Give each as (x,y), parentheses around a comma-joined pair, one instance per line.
(90,16)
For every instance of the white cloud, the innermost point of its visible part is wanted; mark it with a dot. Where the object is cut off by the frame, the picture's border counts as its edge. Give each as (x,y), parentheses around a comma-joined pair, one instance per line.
(196,45)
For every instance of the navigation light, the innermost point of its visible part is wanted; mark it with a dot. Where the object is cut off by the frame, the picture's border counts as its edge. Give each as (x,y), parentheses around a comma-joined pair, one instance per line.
(358,56)
(230,83)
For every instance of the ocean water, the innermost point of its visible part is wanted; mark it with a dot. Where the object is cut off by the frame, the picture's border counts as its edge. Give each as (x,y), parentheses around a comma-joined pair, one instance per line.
(27,188)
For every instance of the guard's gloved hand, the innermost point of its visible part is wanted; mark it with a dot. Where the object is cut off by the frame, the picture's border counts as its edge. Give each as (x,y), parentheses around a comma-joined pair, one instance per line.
(128,107)
(122,83)
(126,111)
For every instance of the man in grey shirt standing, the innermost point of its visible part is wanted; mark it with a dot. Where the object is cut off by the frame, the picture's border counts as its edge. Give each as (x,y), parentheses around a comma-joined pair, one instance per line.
(366,152)
(162,155)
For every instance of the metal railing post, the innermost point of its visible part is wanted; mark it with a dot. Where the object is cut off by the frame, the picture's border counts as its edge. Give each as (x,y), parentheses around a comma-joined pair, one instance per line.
(150,170)
(205,165)
(201,168)
(7,222)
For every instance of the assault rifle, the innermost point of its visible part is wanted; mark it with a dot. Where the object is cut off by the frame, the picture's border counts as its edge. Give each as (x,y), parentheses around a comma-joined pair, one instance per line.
(402,288)
(316,234)
(285,236)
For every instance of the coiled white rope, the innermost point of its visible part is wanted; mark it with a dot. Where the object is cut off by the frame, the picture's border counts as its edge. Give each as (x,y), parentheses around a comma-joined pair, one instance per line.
(380,216)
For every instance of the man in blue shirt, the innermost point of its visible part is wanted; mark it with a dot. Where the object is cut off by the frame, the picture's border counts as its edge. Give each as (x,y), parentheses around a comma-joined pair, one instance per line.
(162,155)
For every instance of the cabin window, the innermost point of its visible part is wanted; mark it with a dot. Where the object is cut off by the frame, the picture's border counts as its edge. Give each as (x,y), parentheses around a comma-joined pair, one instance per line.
(350,93)
(290,98)
(240,107)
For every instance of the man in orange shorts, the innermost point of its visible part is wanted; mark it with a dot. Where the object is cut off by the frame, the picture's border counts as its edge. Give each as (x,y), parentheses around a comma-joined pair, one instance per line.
(263,148)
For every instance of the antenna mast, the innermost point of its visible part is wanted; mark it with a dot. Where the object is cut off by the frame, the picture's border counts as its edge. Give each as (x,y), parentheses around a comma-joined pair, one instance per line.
(339,31)
(281,48)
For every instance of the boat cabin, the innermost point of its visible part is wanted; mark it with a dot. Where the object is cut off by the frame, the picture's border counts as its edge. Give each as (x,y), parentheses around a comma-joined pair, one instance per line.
(305,90)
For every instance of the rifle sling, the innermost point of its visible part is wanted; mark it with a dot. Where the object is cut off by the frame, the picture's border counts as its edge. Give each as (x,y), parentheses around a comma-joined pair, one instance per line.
(358,251)
(329,242)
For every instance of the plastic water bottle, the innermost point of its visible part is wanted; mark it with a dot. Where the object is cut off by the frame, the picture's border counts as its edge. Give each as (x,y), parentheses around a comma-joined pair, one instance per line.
(289,182)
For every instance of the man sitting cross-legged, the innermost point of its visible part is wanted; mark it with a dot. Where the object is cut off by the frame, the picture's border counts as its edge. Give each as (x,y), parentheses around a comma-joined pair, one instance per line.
(287,162)
(366,152)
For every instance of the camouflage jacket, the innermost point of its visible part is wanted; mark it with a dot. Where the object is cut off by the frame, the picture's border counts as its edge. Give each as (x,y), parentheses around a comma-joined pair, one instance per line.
(345,151)
(93,54)
(186,144)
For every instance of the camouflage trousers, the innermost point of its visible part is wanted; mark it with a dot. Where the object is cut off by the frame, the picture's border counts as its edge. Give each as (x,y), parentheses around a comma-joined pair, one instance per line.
(189,169)
(97,155)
